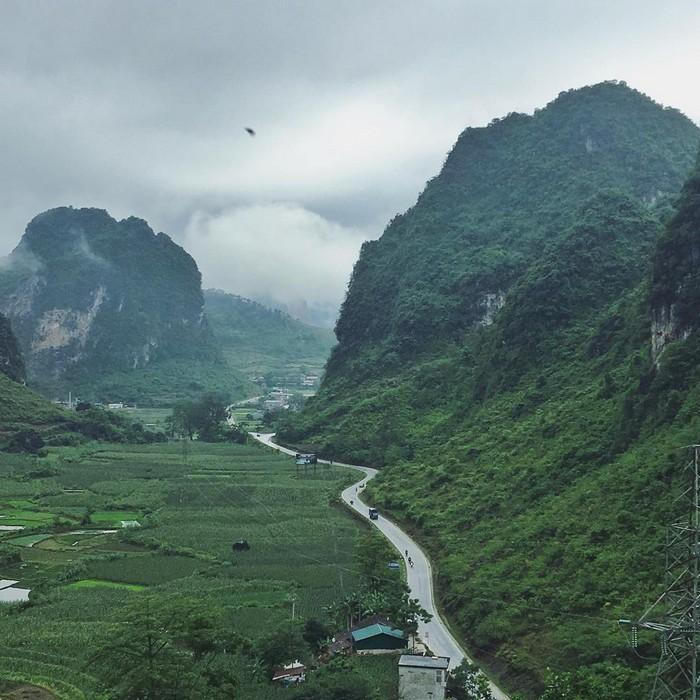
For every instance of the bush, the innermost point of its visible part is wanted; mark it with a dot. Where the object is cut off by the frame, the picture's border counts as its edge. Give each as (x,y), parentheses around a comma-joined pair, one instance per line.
(25,441)
(9,555)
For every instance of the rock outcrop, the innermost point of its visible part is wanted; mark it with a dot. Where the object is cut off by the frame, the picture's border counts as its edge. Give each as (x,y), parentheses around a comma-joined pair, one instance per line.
(87,294)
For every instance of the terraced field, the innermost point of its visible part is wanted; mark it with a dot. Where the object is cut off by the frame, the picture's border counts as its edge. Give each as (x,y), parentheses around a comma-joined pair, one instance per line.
(84,568)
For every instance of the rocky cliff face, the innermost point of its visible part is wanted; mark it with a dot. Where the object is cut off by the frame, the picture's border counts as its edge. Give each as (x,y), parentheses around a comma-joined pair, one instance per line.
(10,357)
(87,294)
(675,297)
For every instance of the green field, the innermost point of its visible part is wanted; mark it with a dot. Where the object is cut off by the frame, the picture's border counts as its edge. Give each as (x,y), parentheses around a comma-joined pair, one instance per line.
(245,417)
(82,579)
(113,516)
(151,418)
(97,583)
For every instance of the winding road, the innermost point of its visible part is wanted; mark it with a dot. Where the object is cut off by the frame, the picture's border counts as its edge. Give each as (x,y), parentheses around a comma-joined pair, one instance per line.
(435,633)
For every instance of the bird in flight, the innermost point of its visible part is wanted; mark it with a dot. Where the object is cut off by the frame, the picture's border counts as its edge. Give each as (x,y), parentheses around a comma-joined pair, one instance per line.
(250,131)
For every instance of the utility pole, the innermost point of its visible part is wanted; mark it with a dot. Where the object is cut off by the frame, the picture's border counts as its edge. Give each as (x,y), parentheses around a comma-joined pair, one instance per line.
(675,616)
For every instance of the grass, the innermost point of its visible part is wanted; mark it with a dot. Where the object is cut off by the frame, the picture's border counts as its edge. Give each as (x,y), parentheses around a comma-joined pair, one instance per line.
(115,516)
(151,418)
(145,569)
(97,583)
(27,540)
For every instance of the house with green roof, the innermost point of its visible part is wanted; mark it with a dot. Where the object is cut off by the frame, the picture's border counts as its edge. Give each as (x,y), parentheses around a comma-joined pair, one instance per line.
(378,638)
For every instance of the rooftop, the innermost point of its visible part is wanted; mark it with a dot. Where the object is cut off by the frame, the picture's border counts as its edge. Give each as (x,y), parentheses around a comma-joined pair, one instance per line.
(424,661)
(374,630)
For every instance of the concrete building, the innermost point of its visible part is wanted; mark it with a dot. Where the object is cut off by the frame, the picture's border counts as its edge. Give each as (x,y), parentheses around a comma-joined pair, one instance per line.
(422,677)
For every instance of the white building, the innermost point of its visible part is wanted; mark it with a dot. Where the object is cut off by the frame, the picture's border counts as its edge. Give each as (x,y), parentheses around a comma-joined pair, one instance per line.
(422,677)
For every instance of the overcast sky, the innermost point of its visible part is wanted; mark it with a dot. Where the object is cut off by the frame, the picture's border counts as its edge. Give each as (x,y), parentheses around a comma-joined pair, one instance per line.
(139,107)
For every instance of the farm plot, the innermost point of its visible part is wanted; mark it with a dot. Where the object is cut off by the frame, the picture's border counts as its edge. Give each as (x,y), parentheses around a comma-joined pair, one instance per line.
(301,548)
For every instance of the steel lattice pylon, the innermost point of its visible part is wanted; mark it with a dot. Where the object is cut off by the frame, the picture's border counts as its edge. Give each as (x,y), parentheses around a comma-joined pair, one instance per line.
(678,608)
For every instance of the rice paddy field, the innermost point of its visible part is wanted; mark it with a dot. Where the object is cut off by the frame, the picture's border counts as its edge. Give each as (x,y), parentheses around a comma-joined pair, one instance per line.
(104,524)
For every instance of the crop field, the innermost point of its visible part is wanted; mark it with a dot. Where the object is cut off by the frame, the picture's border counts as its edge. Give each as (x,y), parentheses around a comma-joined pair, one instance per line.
(245,416)
(84,568)
(151,418)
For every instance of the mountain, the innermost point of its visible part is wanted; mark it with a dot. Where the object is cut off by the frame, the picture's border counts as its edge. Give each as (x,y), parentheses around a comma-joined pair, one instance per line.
(319,314)
(518,351)
(109,309)
(259,341)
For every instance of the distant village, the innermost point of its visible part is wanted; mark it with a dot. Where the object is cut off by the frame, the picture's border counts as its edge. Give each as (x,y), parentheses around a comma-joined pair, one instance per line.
(288,392)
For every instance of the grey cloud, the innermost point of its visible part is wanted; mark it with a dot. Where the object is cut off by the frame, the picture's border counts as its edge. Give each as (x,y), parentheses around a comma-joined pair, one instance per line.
(282,252)
(139,107)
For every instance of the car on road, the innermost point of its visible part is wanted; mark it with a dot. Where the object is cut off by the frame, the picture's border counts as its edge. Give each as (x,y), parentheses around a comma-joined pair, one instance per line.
(373,514)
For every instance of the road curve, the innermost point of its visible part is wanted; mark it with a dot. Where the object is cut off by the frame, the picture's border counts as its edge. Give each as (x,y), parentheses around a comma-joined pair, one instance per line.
(435,633)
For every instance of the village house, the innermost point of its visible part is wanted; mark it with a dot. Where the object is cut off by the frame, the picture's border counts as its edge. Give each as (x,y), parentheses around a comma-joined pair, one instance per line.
(422,677)
(291,674)
(378,639)
(373,635)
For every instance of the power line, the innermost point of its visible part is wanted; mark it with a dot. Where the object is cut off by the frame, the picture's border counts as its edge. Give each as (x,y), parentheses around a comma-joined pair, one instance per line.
(675,615)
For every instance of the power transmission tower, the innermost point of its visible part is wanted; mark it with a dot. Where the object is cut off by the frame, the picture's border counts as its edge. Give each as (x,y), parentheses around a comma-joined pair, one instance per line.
(675,616)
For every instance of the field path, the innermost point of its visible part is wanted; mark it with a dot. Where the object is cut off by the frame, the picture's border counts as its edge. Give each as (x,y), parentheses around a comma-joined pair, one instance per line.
(435,633)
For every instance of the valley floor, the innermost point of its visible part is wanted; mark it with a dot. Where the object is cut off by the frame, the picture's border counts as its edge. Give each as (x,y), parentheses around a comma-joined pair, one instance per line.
(104,525)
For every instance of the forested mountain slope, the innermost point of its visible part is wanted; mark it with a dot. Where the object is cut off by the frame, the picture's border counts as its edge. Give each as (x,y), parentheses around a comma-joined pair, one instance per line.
(110,310)
(519,351)
(257,340)
(11,363)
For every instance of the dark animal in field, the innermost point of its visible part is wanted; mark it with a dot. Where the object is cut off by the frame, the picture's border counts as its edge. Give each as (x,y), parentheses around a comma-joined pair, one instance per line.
(240,546)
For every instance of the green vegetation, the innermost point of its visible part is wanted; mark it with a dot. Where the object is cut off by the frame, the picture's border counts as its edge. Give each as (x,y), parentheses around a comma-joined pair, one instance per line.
(163,383)
(206,418)
(11,363)
(97,583)
(219,614)
(28,422)
(495,356)
(261,342)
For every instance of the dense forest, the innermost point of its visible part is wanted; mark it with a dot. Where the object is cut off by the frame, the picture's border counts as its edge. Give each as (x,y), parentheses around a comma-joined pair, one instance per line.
(529,377)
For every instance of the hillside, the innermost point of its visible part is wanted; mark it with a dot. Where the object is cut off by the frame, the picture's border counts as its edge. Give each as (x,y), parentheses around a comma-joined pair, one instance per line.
(495,355)
(110,310)
(28,421)
(258,341)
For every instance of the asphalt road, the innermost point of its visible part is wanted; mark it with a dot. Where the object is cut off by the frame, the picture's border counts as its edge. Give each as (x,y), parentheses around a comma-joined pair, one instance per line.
(435,633)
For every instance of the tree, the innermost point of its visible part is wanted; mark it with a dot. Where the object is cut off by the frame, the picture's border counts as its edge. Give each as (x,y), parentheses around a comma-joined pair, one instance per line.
(603,681)
(154,649)
(315,633)
(336,680)
(467,682)
(27,440)
(282,646)
(183,419)
(205,417)
(210,413)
